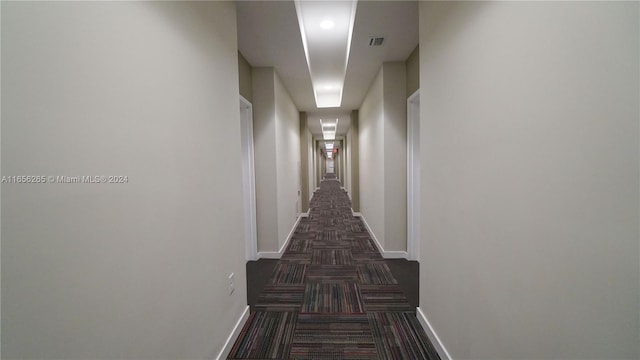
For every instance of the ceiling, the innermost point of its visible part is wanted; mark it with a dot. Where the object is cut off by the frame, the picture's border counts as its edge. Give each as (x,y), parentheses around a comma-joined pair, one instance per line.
(269,35)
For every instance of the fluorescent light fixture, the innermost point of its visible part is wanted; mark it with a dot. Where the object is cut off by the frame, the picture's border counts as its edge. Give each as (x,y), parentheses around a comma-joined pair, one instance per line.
(327,52)
(329,129)
(327,24)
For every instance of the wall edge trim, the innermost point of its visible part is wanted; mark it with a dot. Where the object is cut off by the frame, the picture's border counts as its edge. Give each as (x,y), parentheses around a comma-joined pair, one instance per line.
(278,254)
(431,334)
(387,254)
(233,336)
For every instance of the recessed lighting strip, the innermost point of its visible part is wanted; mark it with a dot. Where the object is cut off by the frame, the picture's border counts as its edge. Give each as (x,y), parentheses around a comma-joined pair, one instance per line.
(326,28)
(329,129)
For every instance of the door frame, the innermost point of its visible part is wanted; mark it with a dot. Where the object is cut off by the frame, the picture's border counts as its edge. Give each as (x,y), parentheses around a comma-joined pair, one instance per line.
(248,179)
(413,176)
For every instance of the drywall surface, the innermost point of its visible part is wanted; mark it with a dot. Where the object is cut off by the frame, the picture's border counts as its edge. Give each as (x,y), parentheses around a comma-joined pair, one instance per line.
(130,270)
(529,159)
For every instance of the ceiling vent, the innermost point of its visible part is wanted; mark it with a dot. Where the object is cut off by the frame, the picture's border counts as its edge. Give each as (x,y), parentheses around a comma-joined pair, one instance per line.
(376,41)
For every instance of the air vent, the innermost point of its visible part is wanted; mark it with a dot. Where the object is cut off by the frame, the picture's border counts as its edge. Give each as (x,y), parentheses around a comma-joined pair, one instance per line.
(376,41)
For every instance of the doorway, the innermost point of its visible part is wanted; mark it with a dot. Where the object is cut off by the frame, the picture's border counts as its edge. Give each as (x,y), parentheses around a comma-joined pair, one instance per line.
(248,179)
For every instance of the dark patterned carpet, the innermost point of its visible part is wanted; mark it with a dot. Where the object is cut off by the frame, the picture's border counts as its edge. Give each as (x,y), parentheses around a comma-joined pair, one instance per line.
(332,296)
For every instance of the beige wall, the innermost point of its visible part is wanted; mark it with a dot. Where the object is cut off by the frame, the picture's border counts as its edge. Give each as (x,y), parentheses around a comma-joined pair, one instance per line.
(320,163)
(135,270)
(311,164)
(316,156)
(347,156)
(371,151)
(382,157)
(341,162)
(287,160)
(276,132)
(323,164)
(354,162)
(413,71)
(264,135)
(244,75)
(395,155)
(304,161)
(530,181)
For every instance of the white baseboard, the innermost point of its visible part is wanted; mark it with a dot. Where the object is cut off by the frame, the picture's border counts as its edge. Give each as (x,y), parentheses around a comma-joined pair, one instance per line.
(269,255)
(395,255)
(278,254)
(226,349)
(385,254)
(431,334)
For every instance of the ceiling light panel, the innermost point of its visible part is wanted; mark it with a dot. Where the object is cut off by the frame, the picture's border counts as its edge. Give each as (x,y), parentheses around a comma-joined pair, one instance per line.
(329,129)
(327,24)
(326,28)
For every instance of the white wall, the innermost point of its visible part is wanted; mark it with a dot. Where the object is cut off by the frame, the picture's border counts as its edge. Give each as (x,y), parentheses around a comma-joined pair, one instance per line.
(311,166)
(383,154)
(530,182)
(347,152)
(353,161)
(318,165)
(315,166)
(264,136)
(371,151)
(277,141)
(129,271)
(287,159)
(395,155)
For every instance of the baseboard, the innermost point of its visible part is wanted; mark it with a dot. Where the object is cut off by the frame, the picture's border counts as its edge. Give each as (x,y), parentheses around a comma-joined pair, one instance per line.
(269,255)
(435,340)
(278,254)
(226,349)
(385,254)
(395,255)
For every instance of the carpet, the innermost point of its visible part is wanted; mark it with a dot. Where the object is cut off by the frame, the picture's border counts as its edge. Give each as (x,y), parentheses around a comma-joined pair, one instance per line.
(332,296)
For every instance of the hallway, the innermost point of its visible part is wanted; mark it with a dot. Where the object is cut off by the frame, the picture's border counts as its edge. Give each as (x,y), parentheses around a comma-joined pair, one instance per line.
(494,145)
(331,295)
